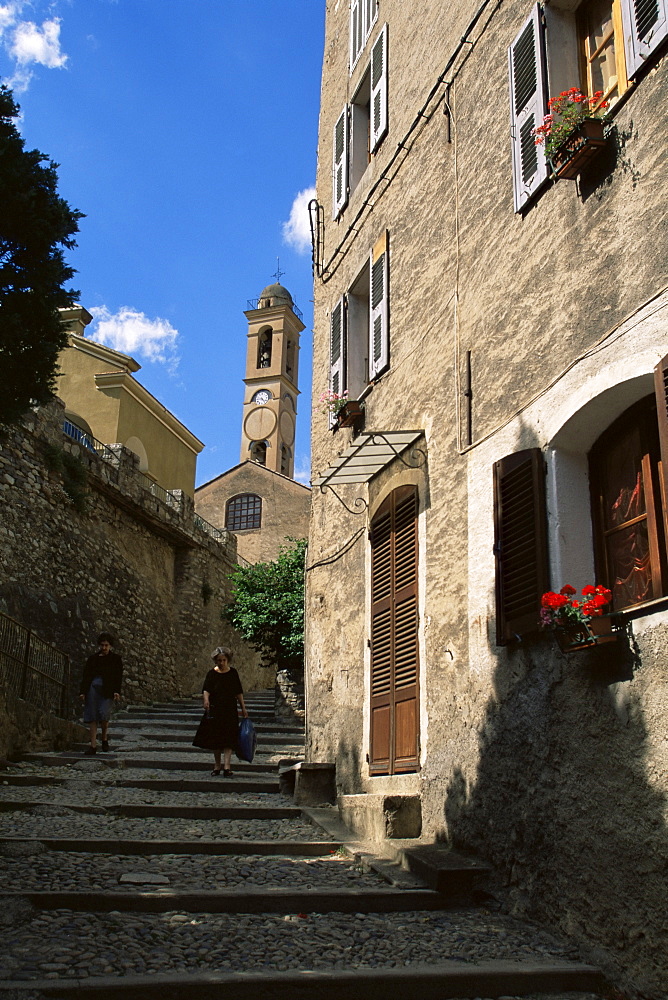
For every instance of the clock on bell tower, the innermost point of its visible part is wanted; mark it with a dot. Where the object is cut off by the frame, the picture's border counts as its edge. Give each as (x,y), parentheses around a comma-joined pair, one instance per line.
(270,399)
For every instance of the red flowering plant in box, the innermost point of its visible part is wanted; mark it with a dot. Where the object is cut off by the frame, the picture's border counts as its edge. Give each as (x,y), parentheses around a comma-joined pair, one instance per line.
(564,609)
(565,113)
(332,402)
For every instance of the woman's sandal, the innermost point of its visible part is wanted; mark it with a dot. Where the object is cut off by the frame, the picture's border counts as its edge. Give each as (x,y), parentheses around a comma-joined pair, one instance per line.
(215,772)
(227,773)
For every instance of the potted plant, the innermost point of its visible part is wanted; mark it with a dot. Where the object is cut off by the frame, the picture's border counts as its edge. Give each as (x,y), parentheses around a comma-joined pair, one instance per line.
(343,411)
(578,622)
(572,131)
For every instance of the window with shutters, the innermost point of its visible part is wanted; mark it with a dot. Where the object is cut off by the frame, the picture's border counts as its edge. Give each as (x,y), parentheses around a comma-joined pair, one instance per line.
(243,512)
(359,327)
(596,45)
(361,126)
(627,514)
(394,735)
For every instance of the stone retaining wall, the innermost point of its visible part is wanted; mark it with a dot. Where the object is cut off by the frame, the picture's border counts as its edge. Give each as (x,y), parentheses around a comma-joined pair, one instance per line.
(127,562)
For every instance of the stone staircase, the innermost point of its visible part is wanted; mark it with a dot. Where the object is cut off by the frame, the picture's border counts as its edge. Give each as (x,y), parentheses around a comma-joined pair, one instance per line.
(134,874)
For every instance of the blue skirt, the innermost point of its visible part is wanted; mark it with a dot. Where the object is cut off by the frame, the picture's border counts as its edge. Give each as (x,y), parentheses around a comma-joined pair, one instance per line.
(97,708)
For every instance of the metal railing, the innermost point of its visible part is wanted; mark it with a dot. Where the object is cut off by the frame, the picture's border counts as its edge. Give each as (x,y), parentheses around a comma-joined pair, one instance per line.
(254,303)
(172,498)
(203,525)
(107,452)
(32,669)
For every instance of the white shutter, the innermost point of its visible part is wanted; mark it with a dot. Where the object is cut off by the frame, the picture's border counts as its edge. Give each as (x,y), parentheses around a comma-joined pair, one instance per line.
(379,343)
(340,164)
(645,27)
(356,40)
(528,102)
(370,15)
(337,349)
(379,89)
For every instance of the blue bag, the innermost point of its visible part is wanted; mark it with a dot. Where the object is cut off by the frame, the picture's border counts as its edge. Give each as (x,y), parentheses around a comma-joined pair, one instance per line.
(246,740)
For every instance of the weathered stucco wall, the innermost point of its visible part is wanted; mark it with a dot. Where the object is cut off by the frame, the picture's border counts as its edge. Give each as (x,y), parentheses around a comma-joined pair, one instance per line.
(552,767)
(129,564)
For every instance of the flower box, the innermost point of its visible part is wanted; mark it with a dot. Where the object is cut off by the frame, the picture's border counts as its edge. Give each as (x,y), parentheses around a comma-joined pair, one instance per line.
(350,414)
(579,149)
(585,635)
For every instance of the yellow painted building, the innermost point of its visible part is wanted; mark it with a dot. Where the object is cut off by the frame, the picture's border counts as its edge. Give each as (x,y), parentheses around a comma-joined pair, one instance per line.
(103,399)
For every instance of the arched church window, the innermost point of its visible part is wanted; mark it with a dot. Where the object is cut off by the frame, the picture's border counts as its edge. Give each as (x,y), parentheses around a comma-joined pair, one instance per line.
(264,349)
(258,452)
(243,512)
(285,460)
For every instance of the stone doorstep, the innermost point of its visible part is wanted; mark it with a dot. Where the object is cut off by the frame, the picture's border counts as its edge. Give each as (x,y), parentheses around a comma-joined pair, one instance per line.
(98,845)
(173,812)
(250,899)
(433,982)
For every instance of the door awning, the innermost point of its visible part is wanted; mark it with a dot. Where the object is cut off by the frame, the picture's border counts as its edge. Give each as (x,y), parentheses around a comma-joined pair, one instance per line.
(369,453)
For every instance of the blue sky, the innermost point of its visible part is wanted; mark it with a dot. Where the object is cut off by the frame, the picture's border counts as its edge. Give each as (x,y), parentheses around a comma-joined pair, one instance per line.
(186,131)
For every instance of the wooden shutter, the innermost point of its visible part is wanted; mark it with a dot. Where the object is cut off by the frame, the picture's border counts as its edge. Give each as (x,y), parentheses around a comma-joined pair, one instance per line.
(520,542)
(337,350)
(340,164)
(394,634)
(378,108)
(661,393)
(379,342)
(528,102)
(645,27)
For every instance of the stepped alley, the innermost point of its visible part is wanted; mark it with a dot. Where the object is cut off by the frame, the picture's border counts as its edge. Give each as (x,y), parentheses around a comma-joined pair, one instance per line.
(136,874)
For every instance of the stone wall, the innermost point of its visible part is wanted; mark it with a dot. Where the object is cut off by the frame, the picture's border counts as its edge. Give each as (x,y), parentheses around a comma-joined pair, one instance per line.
(552,767)
(127,562)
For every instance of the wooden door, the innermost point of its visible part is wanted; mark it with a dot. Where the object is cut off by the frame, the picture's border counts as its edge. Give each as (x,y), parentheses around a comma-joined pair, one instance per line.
(394,634)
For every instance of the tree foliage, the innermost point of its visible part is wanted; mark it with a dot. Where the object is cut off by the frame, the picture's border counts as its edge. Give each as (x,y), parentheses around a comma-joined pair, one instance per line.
(267,607)
(36,225)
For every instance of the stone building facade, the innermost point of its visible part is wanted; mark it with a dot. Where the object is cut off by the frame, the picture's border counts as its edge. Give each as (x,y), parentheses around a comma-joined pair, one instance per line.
(261,507)
(505,334)
(87,547)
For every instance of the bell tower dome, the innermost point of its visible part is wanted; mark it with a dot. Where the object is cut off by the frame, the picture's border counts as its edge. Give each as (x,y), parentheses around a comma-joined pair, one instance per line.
(270,399)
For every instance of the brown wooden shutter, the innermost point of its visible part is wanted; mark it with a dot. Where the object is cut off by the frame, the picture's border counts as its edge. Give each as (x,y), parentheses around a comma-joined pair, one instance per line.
(394,634)
(661,394)
(520,542)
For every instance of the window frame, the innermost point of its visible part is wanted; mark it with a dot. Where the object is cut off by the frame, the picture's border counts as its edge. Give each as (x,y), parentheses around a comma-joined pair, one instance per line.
(642,416)
(243,513)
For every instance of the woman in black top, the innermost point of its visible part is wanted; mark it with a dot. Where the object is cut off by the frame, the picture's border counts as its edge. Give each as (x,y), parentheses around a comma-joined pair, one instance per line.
(100,688)
(219,728)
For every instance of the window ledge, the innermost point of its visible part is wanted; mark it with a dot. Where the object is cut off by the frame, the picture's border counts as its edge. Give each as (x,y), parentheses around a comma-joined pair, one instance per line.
(642,610)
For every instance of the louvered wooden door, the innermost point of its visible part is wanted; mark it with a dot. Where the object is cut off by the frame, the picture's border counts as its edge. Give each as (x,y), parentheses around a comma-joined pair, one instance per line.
(394,635)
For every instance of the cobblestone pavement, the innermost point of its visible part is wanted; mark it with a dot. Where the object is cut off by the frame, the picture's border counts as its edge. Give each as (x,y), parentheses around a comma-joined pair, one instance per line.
(43,945)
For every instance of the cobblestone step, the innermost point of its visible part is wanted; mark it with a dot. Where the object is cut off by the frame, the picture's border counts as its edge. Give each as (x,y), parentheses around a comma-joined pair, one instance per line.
(247,900)
(447,981)
(114,759)
(98,845)
(173,811)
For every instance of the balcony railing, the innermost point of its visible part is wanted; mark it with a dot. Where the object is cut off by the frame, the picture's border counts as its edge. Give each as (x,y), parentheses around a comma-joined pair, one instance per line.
(203,525)
(107,452)
(33,669)
(254,303)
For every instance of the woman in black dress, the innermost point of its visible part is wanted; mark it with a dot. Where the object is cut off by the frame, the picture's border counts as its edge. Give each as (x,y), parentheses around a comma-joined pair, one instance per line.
(100,688)
(219,728)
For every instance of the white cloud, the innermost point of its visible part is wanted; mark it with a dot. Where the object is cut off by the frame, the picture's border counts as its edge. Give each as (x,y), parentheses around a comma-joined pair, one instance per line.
(297,230)
(303,469)
(29,44)
(132,332)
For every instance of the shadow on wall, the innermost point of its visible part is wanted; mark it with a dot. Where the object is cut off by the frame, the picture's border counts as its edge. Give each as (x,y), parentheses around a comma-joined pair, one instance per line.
(568,803)
(348,764)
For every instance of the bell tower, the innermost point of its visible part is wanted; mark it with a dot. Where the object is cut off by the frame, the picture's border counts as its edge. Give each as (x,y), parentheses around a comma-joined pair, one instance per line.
(270,399)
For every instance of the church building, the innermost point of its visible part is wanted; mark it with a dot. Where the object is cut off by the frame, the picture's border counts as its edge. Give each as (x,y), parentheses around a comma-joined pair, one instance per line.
(258,499)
